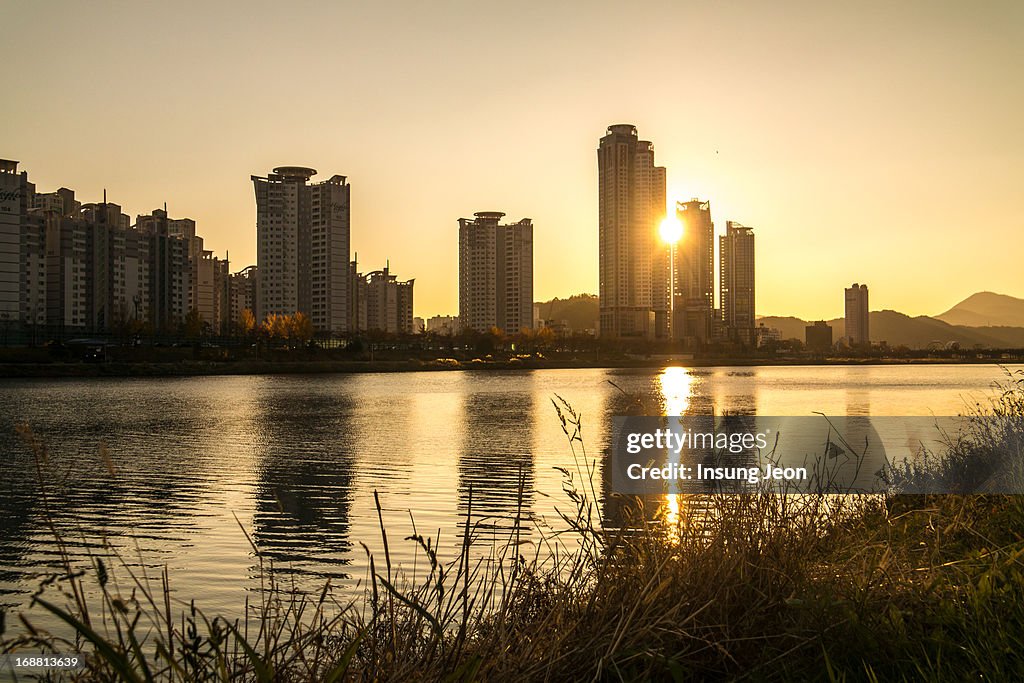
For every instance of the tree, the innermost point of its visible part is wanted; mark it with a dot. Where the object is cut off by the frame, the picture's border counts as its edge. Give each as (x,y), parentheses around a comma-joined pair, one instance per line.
(300,328)
(246,322)
(296,329)
(527,338)
(193,324)
(490,341)
(275,326)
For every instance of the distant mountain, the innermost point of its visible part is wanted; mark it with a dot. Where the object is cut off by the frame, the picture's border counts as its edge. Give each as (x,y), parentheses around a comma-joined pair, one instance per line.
(986,309)
(581,311)
(901,330)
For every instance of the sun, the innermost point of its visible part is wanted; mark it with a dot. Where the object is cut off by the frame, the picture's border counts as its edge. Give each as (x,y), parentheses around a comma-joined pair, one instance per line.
(671,230)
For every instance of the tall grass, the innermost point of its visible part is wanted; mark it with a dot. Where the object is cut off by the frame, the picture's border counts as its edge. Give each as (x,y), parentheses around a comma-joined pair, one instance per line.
(757,586)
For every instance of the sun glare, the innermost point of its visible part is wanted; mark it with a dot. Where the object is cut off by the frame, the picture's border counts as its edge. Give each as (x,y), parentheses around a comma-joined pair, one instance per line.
(671,230)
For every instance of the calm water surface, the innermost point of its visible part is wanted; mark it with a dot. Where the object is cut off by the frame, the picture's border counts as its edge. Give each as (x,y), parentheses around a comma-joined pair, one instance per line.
(296,459)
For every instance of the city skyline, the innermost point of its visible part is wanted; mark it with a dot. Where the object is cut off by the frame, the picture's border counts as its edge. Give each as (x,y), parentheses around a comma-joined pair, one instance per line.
(847,164)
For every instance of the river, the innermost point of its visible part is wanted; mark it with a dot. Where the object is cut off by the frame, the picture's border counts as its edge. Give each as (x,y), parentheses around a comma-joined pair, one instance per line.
(170,470)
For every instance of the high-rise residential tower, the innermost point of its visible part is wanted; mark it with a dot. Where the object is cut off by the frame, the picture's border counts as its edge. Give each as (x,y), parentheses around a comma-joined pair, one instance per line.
(695,274)
(15,200)
(633,267)
(302,247)
(736,282)
(169,271)
(857,315)
(241,296)
(495,273)
(380,302)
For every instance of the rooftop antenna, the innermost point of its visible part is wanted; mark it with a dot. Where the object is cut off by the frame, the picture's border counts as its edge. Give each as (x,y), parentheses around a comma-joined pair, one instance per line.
(104,195)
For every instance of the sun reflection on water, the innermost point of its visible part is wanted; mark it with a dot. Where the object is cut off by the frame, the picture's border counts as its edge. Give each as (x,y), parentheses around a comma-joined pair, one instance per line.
(676,386)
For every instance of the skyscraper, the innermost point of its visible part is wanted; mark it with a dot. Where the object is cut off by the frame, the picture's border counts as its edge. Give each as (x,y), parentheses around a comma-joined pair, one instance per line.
(633,264)
(302,246)
(736,284)
(857,315)
(695,273)
(495,273)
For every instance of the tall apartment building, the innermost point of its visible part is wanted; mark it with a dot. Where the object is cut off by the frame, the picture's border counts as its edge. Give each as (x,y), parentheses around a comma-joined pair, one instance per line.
(32,300)
(110,289)
(694,274)
(736,282)
(48,210)
(857,315)
(495,273)
(302,246)
(222,295)
(357,321)
(633,264)
(406,320)
(67,266)
(170,273)
(15,199)
(242,291)
(208,277)
(388,302)
(203,292)
(136,274)
(380,302)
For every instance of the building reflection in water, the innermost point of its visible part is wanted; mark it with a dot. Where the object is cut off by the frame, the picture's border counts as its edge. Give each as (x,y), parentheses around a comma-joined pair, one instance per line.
(19,519)
(496,458)
(304,462)
(731,395)
(861,436)
(100,484)
(672,392)
(858,401)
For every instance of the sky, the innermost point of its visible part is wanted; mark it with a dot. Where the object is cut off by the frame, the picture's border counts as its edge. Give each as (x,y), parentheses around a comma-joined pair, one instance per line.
(874,142)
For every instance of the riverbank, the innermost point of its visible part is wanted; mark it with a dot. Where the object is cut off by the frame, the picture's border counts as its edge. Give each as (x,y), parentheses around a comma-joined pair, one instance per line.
(189,368)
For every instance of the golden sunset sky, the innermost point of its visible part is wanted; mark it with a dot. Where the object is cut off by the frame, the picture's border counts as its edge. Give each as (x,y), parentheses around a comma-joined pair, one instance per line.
(875,142)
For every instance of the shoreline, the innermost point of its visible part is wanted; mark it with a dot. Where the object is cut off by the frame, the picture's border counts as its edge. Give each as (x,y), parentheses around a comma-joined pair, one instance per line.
(318,367)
